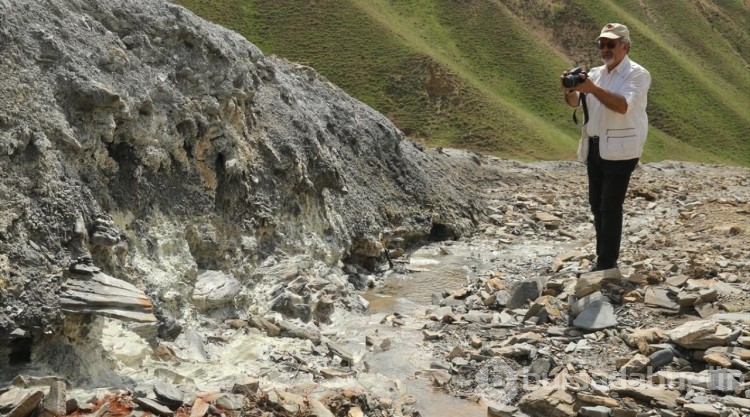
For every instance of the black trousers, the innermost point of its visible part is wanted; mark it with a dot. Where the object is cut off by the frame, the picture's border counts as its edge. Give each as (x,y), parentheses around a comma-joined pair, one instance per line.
(608,185)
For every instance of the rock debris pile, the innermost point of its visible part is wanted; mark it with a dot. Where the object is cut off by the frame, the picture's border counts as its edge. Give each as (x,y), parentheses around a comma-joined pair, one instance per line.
(668,333)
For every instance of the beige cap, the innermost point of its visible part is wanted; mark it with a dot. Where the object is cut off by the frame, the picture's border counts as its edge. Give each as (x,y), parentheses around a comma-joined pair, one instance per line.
(614,31)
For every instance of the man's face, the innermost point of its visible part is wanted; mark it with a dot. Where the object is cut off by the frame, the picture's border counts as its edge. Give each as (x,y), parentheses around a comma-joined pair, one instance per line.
(612,51)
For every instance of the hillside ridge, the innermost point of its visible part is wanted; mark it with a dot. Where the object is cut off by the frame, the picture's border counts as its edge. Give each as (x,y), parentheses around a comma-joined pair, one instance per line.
(503,59)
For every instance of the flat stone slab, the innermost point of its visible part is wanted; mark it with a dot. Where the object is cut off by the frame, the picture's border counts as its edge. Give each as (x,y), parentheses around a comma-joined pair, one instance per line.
(700,334)
(656,297)
(154,406)
(596,316)
(99,293)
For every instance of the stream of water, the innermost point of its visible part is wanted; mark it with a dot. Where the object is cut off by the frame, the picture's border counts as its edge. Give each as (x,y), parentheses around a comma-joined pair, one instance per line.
(435,269)
(429,272)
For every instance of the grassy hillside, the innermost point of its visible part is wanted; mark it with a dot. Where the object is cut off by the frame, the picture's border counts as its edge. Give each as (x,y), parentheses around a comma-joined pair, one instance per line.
(483,74)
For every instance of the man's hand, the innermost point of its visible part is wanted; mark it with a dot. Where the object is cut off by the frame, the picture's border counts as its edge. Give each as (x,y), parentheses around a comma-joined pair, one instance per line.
(612,101)
(571,95)
(567,90)
(587,86)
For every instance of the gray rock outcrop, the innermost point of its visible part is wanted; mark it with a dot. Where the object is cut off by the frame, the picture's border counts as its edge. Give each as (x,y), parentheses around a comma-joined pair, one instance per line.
(160,146)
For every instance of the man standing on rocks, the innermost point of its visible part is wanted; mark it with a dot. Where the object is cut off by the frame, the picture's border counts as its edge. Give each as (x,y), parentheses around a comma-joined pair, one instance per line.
(614,98)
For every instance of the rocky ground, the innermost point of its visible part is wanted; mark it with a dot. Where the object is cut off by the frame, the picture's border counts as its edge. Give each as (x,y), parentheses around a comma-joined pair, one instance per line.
(668,333)
(676,312)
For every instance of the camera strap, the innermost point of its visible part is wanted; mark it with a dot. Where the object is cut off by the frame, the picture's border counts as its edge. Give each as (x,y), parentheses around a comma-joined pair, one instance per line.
(581,100)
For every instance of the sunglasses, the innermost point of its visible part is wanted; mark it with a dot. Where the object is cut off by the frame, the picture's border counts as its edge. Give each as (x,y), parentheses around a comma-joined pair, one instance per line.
(611,44)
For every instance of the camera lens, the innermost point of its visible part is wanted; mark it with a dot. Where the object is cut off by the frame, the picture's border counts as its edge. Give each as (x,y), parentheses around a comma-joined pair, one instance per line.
(570,81)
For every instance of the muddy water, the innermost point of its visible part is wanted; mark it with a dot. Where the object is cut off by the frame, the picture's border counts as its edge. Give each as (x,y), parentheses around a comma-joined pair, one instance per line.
(431,270)
(436,269)
(405,361)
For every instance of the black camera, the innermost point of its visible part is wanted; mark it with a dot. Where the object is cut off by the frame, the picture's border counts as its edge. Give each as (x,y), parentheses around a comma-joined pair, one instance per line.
(572,79)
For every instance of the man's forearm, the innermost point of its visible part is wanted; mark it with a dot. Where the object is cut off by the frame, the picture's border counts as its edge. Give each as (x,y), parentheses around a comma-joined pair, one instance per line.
(612,101)
(571,97)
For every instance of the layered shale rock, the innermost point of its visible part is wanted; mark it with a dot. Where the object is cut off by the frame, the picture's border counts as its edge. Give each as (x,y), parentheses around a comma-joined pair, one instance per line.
(88,291)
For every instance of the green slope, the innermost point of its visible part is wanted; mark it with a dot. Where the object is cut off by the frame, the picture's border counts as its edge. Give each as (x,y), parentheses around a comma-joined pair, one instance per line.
(483,74)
